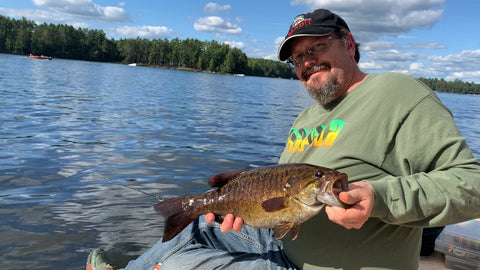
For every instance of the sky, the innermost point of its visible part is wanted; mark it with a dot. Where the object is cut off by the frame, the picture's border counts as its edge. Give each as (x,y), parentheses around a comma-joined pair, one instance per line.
(422,38)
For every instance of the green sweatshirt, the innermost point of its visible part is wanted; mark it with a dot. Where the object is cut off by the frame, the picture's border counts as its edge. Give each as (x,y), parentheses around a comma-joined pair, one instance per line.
(392,131)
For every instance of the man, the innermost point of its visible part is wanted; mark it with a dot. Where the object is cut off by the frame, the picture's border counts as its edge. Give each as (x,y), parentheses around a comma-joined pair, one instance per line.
(408,168)
(408,165)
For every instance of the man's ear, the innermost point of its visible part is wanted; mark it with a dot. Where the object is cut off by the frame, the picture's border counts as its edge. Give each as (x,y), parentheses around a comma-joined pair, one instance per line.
(350,44)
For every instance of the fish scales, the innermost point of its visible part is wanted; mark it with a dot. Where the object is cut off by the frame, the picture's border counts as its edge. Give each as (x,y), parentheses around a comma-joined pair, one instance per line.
(240,197)
(279,197)
(243,198)
(259,185)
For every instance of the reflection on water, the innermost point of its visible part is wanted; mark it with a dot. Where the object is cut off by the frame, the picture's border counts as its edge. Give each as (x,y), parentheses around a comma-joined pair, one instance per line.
(74,133)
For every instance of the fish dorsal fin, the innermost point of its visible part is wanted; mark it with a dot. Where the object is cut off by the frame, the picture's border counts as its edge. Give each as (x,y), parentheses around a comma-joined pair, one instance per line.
(222,179)
(274,204)
(282,229)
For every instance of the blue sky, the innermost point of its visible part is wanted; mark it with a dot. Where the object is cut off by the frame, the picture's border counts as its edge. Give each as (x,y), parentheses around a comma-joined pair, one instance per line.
(423,38)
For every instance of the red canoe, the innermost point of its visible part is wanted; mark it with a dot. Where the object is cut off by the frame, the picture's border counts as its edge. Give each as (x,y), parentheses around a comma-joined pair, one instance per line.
(40,57)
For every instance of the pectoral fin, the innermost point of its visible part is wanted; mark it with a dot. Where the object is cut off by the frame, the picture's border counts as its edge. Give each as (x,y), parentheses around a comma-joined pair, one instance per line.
(282,229)
(274,204)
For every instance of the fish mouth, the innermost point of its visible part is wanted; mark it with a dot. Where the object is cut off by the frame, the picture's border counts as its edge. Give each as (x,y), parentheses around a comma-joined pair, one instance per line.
(332,189)
(339,184)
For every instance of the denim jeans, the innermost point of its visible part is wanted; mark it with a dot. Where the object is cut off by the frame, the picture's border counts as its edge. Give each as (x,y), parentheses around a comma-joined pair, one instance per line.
(202,245)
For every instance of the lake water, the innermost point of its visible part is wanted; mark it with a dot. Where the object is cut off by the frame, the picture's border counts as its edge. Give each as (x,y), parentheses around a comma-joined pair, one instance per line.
(73,134)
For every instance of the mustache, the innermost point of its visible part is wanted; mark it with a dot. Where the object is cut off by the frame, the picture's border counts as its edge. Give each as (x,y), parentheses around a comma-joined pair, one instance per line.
(309,71)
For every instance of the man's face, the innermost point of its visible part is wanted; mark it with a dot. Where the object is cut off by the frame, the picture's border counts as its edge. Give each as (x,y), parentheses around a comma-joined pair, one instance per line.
(326,74)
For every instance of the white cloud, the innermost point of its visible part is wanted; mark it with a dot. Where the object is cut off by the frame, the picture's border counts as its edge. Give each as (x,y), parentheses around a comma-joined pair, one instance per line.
(468,76)
(240,19)
(64,10)
(392,55)
(80,25)
(428,45)
(464,65)
(220,36)
(235,44)
(214,8)
(367,65)
(416,66)
(35,15)
(278,41)
(149,32)
(376,45)
(381,66)
(216,24)
(276,44)
(369,19)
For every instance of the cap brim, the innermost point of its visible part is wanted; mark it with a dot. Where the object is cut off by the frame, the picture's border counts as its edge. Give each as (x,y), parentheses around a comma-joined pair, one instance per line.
(284,51)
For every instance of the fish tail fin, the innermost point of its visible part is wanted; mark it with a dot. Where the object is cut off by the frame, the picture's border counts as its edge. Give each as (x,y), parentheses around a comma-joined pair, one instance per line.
(179,214)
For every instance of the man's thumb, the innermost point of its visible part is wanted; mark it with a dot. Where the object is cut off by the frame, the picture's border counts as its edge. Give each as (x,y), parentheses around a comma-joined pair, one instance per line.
(347,197)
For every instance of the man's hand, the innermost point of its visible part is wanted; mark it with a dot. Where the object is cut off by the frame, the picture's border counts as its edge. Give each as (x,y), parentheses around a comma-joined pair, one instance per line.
(229,222)
(361,196)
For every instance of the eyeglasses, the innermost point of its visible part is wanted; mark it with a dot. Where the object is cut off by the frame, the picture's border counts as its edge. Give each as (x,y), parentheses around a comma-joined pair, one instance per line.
(316,49)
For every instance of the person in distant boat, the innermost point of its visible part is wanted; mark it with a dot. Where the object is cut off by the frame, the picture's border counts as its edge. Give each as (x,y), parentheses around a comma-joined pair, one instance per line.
(407,164)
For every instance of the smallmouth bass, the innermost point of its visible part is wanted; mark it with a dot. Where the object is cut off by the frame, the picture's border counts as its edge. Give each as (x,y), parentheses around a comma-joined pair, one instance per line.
(279,197)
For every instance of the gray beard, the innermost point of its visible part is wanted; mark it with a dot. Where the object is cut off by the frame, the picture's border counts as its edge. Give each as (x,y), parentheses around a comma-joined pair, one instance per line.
(326,93)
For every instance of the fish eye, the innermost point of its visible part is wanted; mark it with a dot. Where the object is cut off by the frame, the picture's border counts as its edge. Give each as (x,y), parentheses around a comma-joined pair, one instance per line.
(319,174)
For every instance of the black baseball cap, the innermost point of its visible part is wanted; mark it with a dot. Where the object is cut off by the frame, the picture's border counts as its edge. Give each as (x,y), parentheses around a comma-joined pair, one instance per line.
(320,22)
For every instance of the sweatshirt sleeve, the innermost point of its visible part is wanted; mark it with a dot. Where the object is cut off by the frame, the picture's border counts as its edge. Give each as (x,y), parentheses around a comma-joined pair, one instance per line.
(437,178)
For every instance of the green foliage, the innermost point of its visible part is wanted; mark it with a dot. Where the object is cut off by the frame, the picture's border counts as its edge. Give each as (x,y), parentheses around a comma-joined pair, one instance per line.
(269,68)
(457,86)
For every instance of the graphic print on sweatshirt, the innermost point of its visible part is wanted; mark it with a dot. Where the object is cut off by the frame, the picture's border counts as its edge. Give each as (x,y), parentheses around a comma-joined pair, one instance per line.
(321,136)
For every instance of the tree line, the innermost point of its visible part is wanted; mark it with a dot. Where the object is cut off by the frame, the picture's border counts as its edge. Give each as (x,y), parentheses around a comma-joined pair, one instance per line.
(457,86)
(23,37)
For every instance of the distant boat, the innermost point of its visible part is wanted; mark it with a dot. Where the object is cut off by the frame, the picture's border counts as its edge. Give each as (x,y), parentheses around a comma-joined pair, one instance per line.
(40,57)
(133,64)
